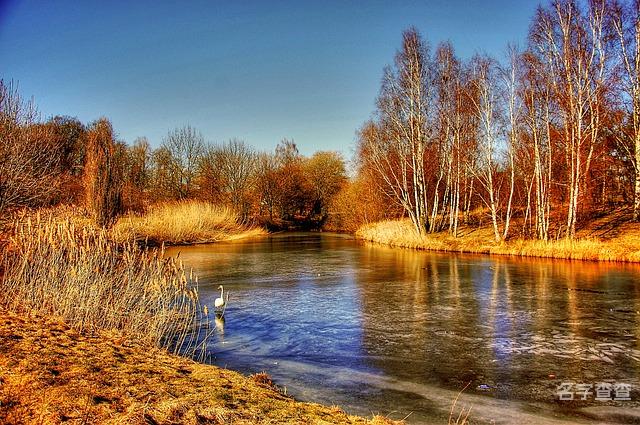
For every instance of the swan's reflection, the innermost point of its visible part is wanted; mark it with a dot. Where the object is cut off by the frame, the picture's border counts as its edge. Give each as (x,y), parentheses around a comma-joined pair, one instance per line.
(219,324)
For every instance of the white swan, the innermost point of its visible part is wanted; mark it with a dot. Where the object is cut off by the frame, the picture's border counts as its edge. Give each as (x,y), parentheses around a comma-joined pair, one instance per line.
(221,302)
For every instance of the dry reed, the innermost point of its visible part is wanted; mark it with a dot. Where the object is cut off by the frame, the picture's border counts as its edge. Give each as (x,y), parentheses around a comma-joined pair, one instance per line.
(184,222)
(53,268)
(400,233)
(463,414)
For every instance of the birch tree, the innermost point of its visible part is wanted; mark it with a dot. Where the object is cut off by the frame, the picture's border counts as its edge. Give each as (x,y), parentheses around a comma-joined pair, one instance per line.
(626,23)
(485,100)
(510,76)
(449,105)
(537,117)
(574,45)
(397,145)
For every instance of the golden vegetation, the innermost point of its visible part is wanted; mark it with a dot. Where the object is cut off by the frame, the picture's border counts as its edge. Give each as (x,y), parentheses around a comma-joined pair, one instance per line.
(85,322)
(51,374)
(79,274)
(184,222)
(400,233)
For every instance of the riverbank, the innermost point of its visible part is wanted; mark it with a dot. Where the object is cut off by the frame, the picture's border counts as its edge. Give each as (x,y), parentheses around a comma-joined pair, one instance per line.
(598,242)
(170,223)
(50,373)
(79,344)
(185,222)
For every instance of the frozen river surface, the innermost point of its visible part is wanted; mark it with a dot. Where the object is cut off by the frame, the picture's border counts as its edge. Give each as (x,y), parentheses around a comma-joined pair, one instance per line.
(401,332)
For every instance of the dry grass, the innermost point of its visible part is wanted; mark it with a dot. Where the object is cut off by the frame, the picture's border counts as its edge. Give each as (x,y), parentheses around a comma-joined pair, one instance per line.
(184,222)
(463,415)
(400,233)
(50,374)
(79,274)
(84,324)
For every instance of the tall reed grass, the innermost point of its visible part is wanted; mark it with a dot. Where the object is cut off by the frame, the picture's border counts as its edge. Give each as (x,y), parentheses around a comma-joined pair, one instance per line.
(184,222)
(400,233)
(80,275)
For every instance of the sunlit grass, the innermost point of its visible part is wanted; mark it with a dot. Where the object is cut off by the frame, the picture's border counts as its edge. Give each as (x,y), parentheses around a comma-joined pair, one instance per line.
(184,222)
(400,233)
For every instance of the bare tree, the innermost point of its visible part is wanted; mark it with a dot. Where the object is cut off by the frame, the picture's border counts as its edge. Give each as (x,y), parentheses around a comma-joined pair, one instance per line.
(166,176)
(626,22)
(186,147)
(237,162)
(485,100)
(267,177)
(511,77)
(537,104)
(396,147)
(451,121)
(29,165)
(326,174)
(137,173)
(103,173)
(293,191)
(210,176)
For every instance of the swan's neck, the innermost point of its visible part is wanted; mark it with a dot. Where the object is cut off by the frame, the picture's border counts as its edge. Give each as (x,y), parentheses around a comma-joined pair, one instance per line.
(222,293)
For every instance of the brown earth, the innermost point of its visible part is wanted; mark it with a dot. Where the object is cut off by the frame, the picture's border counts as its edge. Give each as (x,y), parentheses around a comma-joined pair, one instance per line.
(51,374)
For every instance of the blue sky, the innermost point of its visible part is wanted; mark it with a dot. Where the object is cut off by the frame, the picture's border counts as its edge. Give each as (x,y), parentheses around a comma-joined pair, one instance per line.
(257,70)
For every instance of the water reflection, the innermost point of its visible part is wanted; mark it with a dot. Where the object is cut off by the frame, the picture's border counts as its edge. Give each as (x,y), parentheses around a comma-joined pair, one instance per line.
(219,324)
(380,329)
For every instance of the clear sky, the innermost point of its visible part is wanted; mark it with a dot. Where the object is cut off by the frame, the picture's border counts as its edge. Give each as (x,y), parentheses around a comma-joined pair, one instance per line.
(257,70)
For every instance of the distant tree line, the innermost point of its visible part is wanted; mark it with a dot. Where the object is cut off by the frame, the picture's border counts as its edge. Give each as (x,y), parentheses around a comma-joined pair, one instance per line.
(62,160)
(280,186)
(549,136)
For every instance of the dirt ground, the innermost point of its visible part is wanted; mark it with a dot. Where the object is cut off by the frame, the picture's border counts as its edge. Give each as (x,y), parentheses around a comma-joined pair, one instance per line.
(50,374)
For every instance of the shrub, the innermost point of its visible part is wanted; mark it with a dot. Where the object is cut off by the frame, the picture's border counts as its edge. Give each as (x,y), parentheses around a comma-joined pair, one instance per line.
(103,174)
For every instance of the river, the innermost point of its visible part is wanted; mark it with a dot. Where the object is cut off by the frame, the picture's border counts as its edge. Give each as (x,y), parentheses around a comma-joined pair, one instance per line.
(400,332)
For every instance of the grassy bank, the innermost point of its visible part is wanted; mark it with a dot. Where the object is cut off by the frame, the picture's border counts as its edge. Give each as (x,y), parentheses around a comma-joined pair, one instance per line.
(88,324)
(184,222)
(623,245)
(50,374)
